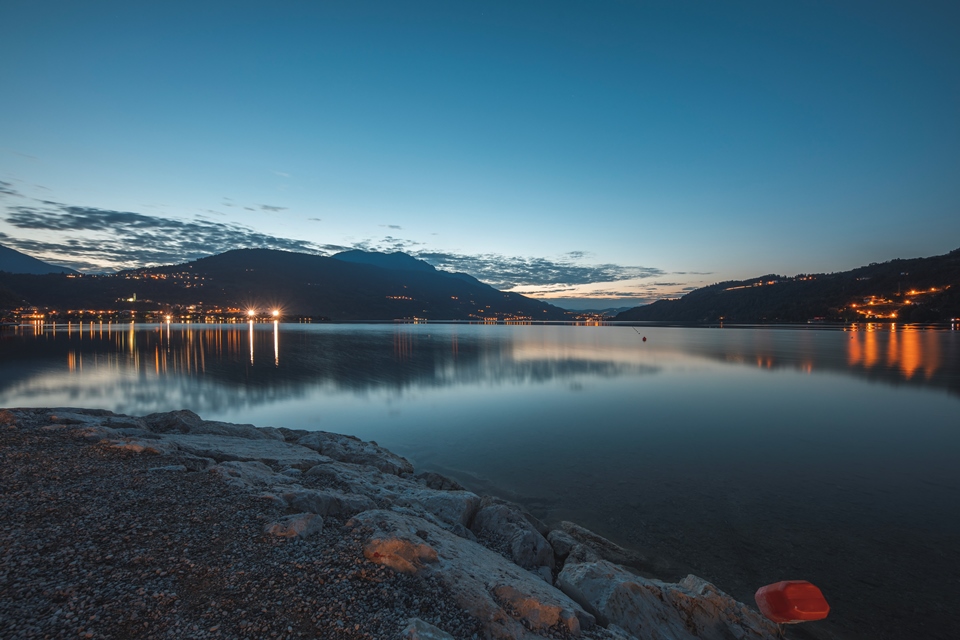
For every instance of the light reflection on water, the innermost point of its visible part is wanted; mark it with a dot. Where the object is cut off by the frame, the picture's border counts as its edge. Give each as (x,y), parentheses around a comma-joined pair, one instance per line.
(747,455)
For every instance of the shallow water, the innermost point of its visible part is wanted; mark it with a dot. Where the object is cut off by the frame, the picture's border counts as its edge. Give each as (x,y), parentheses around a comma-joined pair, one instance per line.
(747,455)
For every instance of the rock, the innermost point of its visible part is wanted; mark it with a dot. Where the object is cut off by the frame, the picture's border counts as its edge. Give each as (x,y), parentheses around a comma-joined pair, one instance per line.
(535,613)
(300,525)
(417,629)
(247,474)
(7,419)
(690,609)
(498,593)
(404,556)
(440,483)
(528,547)
(137,445)
(596,547)
(562,542)
(229,448)
(169,467)
(332,503)
(172,421)
(355,451)
(449,507)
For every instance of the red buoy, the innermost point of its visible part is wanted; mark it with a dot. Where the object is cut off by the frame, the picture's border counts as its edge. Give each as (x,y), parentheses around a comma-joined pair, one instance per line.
(644,338)
(792,601)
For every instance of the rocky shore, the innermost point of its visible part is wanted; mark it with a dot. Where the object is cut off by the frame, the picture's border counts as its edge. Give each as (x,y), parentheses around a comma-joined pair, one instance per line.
(170,526)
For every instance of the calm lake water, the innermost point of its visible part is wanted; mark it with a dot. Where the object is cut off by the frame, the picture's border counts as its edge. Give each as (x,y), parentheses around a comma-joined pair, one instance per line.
(745,455)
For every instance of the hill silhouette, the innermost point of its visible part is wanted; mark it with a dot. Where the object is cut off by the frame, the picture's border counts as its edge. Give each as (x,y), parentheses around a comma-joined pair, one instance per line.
(297,283)
(13,261)
(905,290)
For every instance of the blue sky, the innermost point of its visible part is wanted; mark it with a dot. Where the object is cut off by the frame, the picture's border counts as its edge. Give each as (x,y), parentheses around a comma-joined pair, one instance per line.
(610,149)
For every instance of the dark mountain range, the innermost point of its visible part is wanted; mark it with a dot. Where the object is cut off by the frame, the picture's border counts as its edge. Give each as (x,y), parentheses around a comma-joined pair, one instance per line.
(13,261)
(298,284)
(911,290)
(397,260)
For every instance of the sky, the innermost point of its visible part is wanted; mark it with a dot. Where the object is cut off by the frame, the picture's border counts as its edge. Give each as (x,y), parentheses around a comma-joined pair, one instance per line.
(602,153)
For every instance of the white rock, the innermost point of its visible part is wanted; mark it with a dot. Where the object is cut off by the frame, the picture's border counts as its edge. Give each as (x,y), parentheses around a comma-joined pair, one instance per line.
(528,548)
(328,502)
(248,474)
(654,610)
(226,448)
(491,588)
(353,450)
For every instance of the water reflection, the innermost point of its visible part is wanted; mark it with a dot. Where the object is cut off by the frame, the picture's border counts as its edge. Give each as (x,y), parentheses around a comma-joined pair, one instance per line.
(376,357)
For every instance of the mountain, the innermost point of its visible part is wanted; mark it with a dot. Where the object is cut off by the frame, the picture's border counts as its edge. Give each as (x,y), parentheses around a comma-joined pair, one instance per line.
(299,284)
(397,260)
(907,290)
(13,261)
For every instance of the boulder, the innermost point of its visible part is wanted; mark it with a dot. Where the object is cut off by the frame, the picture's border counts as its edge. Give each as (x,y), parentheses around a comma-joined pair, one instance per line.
(688,610)
(300,525)
(328,503)
(228,448)
(439,482)
(508,600)
(595,547)
(248,474)
(417,629)
(451,508)
(353,450)
(527,546)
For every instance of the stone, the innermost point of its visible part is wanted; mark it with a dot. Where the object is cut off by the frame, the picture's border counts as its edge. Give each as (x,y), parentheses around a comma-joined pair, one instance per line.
(562,542)
(247,474)
(353,450)
(439,482)
(328,502)
(300,525)
(596,547)
(528,547)
(136,445)
(645,608)
(452,508)
(224,448)
(169,467)
(7,419)
(403,556)
(506,599)
(417,629)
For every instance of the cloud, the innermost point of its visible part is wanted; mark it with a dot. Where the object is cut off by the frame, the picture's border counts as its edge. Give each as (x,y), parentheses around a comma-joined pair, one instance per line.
(102,238)
(281,174)
(270,207)
(506,272)
(7,189)
(392,226)
(316,219)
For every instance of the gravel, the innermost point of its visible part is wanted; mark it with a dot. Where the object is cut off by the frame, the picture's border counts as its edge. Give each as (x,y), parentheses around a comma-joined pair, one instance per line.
(96,542)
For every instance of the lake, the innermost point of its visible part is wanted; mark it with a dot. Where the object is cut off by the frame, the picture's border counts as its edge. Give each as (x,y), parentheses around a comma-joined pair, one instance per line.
(746,455)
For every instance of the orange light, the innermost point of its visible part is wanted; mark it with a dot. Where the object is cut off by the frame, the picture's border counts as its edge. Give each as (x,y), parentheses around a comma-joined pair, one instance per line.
(792,601)
(276,313)
(251,312)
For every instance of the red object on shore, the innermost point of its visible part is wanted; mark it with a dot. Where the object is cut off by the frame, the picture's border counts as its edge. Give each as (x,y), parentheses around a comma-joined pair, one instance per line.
(644,338)
(792,601)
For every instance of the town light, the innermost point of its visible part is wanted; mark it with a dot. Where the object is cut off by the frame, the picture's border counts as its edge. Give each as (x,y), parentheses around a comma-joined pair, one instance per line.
(276,313)
(251,312)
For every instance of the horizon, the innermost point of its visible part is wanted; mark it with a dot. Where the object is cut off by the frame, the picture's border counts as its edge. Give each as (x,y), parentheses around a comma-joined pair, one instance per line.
(603,157)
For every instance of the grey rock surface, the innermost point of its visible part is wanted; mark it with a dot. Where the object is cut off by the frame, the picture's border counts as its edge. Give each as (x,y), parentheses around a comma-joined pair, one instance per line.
(509,601)
(644,608)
